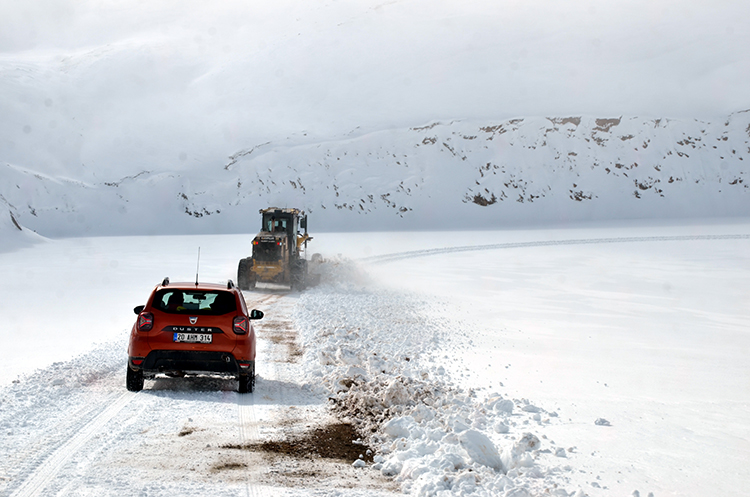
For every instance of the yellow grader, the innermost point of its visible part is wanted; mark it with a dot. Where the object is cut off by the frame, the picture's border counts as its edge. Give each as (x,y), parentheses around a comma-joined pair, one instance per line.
(279,251)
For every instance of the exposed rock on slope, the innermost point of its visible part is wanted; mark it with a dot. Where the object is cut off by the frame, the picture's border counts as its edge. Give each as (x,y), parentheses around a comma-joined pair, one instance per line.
(12,234)
(443,175)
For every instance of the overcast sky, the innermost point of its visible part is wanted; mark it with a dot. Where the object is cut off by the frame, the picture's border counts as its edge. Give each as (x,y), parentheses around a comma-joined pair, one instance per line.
(160,81)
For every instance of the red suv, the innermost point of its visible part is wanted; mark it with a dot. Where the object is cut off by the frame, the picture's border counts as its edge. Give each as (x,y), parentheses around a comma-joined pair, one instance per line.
(191,328)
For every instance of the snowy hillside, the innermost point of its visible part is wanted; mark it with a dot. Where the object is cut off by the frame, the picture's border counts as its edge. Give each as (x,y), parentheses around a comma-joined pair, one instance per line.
(12,234)
(164,117)
(458,175)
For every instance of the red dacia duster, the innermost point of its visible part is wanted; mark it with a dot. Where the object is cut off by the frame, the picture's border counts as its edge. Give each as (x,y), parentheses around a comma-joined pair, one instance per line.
(191,328)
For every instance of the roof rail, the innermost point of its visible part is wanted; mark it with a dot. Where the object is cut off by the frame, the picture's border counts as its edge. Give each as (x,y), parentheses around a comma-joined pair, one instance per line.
(165,281)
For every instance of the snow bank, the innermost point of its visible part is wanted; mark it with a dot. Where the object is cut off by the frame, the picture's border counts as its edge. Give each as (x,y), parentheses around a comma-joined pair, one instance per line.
(384,375)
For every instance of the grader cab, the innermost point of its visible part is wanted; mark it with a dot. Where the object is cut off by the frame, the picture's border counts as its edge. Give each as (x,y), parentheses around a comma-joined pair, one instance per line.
(278,251)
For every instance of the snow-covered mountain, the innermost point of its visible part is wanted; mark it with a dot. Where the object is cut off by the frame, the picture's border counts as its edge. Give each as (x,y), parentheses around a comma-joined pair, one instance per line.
(164,117)
(442,175)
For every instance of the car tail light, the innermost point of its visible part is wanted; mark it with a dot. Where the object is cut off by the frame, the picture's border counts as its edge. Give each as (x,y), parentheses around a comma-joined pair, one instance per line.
(145,321)
(240,325)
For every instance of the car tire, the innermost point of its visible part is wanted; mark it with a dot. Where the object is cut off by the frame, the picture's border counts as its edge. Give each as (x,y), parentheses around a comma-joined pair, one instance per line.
(134,380)
(247,380)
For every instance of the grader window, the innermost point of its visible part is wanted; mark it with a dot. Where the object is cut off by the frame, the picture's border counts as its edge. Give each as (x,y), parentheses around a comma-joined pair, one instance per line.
(275,223)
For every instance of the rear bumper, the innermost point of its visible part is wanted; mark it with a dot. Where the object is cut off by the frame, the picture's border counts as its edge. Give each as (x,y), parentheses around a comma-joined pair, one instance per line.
(269,272)
(161,361)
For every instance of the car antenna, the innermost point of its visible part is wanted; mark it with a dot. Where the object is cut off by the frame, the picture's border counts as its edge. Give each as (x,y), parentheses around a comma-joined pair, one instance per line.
(197,267)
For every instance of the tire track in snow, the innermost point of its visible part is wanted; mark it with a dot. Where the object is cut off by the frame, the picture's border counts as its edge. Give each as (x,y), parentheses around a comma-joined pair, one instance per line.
(249,434)
(37,481)
(30,453)
(248,422)
(397,256)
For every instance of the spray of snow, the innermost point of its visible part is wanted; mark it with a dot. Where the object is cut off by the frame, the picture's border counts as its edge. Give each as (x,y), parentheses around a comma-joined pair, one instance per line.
(387,377)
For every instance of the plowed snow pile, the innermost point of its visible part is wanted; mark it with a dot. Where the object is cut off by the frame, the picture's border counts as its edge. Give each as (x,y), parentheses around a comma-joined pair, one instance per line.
(386,376)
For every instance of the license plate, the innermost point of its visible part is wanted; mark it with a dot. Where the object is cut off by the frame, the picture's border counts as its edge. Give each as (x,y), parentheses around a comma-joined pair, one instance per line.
(192,337)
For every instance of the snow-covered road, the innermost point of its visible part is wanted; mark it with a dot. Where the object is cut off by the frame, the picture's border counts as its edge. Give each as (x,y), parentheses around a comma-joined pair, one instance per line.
(502,363)
(72,429)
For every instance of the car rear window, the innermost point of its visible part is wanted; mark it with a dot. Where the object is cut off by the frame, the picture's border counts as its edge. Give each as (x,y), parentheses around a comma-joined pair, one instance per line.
(197,302)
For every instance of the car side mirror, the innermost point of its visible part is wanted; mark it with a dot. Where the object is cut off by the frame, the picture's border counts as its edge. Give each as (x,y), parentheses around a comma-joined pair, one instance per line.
(256,314)
(139,309)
